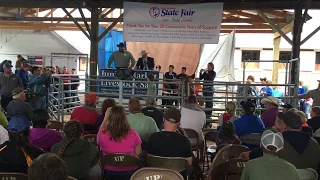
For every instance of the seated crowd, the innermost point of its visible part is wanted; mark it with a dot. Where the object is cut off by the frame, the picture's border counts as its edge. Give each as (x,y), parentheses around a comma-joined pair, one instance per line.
(27,145)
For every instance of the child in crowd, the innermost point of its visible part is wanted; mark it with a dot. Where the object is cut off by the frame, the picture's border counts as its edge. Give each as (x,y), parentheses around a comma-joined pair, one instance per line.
(152,90)
(40,135)
(79,155)
(227,135)
(229,115)
(305,127)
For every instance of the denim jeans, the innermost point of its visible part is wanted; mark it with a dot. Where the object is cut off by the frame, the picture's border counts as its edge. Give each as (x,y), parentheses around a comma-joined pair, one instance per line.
(40,103)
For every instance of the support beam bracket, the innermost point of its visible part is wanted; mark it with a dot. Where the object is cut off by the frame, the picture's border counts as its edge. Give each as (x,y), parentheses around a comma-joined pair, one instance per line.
(110,27)
(310,35)
(268,20)
(85,21)
(77,24)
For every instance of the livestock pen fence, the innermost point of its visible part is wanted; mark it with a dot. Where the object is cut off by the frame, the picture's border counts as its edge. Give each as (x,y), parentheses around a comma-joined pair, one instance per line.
(62,100)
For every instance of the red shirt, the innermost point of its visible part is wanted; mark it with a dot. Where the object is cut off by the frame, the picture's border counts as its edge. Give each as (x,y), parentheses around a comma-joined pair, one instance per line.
(85,116)
(66,76)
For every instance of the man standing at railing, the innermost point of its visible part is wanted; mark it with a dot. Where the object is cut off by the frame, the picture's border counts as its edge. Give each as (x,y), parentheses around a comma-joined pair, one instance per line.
(122,59)
(208,76)
(37,87)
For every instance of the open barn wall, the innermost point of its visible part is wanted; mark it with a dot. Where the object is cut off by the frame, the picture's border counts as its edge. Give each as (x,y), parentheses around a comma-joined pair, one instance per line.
(42,43)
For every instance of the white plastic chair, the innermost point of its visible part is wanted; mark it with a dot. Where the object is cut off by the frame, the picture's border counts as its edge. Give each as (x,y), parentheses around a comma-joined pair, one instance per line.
(307,174)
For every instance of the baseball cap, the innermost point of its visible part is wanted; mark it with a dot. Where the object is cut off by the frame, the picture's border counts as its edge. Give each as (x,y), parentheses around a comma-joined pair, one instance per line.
(18,124)
(150,101)
(91,98)
(248,106)
(288,106)
(272,138)
(173,115)
(7,64)
(263,79)
(292,120)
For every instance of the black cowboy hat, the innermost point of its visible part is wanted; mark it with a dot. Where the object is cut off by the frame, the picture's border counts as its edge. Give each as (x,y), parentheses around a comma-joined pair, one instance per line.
(121,45)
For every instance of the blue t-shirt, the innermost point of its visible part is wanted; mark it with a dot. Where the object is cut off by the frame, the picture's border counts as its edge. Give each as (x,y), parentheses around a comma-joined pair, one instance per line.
(248,124)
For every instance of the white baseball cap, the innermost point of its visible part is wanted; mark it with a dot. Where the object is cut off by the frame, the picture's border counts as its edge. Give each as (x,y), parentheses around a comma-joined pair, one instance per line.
(272,138)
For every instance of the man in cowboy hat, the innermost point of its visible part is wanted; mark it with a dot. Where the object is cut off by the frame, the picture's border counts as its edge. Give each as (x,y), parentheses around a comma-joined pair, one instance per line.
(314,94)
(122,58)
(145,62)
(269,116)
(123,61)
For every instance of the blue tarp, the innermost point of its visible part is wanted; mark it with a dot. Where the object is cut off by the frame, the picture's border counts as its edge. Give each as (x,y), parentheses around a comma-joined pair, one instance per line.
(107,45)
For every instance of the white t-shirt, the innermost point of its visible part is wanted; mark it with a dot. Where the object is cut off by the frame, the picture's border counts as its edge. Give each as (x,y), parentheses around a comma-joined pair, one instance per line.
(3,135)
(192,119)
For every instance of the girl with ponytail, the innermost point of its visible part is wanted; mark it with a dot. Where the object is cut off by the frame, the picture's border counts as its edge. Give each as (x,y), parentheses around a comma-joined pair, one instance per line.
(229,115)
(79,155)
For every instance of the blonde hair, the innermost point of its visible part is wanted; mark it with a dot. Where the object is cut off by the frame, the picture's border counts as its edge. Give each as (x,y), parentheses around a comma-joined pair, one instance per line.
(302,116)
(269,82)
(294,110)
(231,108)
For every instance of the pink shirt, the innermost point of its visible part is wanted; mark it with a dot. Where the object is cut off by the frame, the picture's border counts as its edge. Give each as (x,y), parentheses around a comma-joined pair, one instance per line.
(127,145)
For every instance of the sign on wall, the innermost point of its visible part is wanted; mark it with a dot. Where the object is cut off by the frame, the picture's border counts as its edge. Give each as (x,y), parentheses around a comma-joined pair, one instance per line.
(128,87)
(172,23)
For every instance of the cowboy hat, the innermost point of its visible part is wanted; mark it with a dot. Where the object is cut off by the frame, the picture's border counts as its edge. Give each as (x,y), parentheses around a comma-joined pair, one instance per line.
(144,52)
(121,45)
(271,100)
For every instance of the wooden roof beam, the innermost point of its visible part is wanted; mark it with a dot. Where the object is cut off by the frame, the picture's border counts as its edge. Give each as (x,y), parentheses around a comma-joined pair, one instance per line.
(34,11)
(50,13)
(70,12)
(53,19)
(251,20)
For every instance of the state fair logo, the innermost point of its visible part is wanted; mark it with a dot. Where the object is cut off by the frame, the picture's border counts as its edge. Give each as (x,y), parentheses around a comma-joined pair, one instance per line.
(154,12)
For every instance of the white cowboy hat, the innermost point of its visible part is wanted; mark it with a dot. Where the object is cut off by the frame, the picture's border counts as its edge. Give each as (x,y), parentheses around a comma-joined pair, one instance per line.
(144,52)
(270,99)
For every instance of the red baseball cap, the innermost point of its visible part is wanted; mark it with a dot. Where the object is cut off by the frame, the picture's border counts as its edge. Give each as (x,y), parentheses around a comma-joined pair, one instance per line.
(91,98)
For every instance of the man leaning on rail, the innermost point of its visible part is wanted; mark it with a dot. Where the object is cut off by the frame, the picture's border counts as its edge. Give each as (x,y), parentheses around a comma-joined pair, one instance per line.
(122,59)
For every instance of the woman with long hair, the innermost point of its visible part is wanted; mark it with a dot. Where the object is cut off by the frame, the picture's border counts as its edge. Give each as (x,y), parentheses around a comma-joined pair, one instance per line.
(116,136)
(17,154)
(229,115)
(79,155)
(105,105)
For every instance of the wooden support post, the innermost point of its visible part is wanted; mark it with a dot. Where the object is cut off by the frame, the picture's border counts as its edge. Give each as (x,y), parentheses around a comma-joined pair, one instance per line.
(276,55)
(94,48)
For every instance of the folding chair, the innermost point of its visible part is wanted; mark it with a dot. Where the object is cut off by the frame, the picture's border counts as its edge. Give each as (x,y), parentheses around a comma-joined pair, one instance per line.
(212,137)
(251,140)
(56,125)
(229,170)
(307,174)
(156,173)
(194,140)
(11,175)
(92,139)
(119,160)
(235,168)
(175,163)
(226,153)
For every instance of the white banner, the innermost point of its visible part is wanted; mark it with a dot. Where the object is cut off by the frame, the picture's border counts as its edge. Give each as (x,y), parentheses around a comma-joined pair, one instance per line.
(173,23)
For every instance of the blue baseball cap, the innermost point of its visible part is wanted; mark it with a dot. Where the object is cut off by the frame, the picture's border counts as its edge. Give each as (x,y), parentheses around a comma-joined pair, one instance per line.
(18,124)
